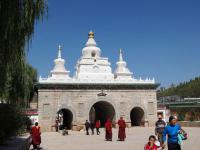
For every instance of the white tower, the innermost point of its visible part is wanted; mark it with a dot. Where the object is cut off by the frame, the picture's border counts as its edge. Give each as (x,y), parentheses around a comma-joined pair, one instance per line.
(59,71)
(92,67)
(122,72)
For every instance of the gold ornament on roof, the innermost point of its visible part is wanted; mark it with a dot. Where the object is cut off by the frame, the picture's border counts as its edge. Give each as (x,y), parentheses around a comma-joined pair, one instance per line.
(91,34)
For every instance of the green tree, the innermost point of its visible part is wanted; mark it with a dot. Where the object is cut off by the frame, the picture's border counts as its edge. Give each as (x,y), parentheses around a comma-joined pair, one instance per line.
(185,89)
(17,21)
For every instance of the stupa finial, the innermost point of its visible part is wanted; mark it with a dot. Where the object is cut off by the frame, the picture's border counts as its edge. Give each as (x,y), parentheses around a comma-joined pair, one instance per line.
(91,34)
(59,51)
(120,55)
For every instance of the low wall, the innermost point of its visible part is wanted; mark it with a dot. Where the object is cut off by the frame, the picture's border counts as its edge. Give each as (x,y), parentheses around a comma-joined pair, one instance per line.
(18,143)
(189,123)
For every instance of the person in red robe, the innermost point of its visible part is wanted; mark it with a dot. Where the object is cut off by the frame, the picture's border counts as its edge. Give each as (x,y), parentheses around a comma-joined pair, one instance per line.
(122,126)
(108,129)
(97,126)
(36,136)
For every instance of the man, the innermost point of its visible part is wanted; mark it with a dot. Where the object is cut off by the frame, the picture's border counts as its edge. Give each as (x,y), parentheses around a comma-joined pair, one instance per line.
(172,131)
(108,129)
(35,134)
(87,127)
(122,127)
(92,126)
(159,128)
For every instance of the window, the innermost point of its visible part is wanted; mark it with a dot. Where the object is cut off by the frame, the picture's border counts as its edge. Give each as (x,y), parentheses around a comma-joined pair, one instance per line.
(93,54)
(46,111)
(150,108)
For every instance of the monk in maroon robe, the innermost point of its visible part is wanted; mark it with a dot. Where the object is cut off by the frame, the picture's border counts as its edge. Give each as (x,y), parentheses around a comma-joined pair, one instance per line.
(108,129)
(122,132)
(35,134)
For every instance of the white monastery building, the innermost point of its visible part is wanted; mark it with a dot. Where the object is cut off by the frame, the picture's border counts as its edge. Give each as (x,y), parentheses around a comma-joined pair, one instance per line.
(95,92)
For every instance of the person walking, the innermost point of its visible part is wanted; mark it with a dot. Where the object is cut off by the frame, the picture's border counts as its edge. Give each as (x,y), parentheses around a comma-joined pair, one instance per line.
(87,127)
(36,136)
(92,126)
(122,132)
(172,130)
(97,126)
(159,128)
(108,129)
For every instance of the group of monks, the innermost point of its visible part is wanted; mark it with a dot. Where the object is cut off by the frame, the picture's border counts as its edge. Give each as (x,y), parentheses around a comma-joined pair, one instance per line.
(121,133)
(36,133)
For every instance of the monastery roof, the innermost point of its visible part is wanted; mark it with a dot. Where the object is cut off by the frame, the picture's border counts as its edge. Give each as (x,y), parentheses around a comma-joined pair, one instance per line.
(93,70)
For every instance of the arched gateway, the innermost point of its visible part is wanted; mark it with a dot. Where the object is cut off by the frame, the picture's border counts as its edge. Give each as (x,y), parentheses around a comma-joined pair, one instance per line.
(65,117)
(102,110)
(137,116)
(94,80)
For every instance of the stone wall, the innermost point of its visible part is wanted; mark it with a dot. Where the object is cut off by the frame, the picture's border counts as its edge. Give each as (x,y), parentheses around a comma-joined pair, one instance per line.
(186,113)
(79,102)
(189,123)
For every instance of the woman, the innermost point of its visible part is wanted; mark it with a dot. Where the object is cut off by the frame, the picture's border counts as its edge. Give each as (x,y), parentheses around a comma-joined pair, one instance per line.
(172,131)
(151,144)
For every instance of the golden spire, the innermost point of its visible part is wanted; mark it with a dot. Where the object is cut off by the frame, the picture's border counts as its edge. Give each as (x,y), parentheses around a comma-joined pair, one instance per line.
(91,34)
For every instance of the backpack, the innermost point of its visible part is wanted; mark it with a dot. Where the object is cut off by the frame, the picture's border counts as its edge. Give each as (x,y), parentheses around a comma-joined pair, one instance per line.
(183,134)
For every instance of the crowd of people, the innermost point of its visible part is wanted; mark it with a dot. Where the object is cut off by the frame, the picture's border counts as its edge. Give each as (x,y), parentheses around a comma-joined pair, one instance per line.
(171,135)
(173,131)
(108,128)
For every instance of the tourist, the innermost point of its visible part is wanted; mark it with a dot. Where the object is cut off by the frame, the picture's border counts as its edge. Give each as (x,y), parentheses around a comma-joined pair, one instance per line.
(87,127)
(108,129)
(172,131)
(151,143)
(159,128)
(122,127)
(92,126)
(36,136)
(97,126)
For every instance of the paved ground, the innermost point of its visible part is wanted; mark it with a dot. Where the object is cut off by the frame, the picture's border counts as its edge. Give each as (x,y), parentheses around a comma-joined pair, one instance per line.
(136,138)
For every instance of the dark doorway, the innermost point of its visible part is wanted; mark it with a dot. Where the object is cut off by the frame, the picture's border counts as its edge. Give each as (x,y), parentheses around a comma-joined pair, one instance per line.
(137,116)
(101,111)
(66,117)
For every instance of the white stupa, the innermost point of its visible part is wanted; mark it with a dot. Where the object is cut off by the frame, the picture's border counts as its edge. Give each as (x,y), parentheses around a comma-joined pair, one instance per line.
(122,72)
(92,68)
(59,71)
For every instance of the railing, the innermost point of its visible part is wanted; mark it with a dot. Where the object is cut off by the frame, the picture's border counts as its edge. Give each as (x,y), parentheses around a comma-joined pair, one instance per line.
(181,101)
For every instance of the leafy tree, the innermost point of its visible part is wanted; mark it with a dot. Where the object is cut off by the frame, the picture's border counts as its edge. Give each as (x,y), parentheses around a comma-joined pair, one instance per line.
(17,20)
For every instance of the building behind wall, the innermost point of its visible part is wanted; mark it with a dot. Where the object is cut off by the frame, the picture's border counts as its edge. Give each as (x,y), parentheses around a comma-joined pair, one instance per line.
(95,92)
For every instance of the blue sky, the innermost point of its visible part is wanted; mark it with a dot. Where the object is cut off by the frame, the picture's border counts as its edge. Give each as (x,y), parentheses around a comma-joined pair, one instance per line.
(160,38)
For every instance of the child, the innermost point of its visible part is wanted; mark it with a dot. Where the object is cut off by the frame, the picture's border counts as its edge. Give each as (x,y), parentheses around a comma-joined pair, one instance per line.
(151,144)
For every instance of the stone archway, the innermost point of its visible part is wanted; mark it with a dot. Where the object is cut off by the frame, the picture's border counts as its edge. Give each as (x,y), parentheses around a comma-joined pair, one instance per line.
(66,117)
(137,116)
(102,110)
